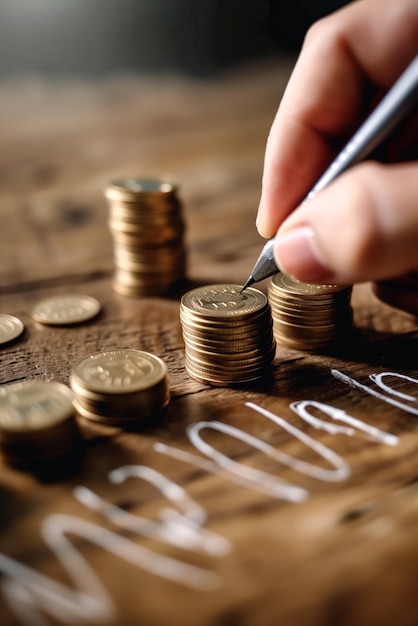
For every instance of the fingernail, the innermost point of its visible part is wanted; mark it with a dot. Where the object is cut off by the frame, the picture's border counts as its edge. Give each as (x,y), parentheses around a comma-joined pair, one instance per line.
(297,255)
(259,218)
(260,222)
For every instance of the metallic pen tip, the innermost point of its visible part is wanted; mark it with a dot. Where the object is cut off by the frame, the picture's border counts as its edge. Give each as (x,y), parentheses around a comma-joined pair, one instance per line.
(249,282)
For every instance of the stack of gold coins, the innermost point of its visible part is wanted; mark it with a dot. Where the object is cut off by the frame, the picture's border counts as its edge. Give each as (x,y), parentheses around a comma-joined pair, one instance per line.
(228,335)
(120,387)
(36,421)
(145,220)
(308,317)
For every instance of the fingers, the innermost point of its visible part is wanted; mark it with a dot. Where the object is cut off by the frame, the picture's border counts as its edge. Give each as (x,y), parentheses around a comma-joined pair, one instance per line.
(363,226)
(368,43)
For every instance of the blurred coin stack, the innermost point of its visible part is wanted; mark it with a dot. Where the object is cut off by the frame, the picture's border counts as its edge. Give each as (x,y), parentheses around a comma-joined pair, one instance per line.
(36,421)
(228,336)
(308,317)
(145,220)
(120,387)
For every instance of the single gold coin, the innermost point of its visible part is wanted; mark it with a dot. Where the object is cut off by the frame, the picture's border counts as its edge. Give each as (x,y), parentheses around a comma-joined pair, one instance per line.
(11,327)
(120,414)
(66,309)
(130,188)
(224,301)
(292,286)
(119,371)
(34,405)
(240,344)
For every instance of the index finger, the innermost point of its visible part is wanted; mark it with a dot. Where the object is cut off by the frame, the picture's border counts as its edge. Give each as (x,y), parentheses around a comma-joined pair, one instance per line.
(347,58)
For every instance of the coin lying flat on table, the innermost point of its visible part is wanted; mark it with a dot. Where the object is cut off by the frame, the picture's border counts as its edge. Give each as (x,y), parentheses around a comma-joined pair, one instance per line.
(227,334)
(11,327)
(36,420)
(120,386)
(66,309)
(308,317)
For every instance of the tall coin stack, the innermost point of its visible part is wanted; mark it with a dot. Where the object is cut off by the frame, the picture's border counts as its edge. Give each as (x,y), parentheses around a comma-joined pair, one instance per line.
(308,317)
(228,335)
(145,220)
(120,387)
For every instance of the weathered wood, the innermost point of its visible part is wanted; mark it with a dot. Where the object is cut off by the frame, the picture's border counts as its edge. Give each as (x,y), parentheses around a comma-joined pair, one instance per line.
(345,554)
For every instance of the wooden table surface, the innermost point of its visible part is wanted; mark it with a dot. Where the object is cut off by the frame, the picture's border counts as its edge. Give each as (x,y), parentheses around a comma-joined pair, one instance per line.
(307,515)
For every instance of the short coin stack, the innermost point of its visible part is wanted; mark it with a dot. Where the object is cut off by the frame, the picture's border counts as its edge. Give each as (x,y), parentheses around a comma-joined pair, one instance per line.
(145,220)
(36,421)
(228,335)
(308,317)
(120,387)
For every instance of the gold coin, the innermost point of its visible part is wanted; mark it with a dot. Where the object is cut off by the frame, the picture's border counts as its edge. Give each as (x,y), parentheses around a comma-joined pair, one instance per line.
(298,302)
(10,328)
(140,289)
(224,301)
(302,320)
(66,309)
(129,188)
(115,419)
(119,371)
(145,238)
(230,325)
(241,344)
(133,398)
(231,374)
(151,265)
(227,361)
(211,377)
(310,305)
(293,286)
(34,405)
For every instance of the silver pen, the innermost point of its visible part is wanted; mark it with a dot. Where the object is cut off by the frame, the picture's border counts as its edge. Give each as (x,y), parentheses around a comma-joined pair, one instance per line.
(393,107)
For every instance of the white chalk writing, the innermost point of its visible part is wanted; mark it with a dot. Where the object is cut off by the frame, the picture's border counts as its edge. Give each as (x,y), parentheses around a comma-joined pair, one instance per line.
(32,595)
(354,383)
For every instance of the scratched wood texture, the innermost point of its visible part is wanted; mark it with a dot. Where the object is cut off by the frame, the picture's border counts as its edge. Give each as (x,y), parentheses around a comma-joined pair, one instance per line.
(348,553)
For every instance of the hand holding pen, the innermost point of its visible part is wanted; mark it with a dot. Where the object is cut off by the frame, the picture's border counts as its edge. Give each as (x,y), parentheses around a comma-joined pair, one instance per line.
(364,225)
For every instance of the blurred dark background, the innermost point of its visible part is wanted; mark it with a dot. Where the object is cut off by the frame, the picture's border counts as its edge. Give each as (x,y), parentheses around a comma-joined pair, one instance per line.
(197,37)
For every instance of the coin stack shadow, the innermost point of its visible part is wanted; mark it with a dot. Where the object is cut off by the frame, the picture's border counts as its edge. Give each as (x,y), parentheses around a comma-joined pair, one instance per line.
(228,336)
(309,317)
(120,387)
(37,421)
(147,227)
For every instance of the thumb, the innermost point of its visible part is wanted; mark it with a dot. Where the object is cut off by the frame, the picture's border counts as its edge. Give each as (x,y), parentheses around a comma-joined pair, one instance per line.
(363,227)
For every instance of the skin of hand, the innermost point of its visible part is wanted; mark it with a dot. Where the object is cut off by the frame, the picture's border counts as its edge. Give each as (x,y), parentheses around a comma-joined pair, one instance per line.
(364,225)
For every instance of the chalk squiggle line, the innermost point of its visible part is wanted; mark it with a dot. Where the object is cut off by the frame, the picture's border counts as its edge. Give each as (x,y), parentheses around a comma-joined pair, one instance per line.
(182,529)
(376,394)
(29,592)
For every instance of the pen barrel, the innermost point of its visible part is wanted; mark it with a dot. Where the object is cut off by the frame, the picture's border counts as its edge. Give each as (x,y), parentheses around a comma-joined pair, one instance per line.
(393,107)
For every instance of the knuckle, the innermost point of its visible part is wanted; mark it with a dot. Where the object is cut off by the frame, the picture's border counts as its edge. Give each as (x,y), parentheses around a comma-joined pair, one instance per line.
(315,31)
(324,34)
(364,236)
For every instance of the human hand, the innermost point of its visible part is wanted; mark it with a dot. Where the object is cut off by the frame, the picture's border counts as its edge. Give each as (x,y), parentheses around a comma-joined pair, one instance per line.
(364,225)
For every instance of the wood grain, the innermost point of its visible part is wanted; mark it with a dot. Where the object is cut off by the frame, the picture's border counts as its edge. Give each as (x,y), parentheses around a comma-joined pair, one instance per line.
(348,553)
